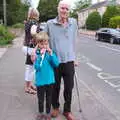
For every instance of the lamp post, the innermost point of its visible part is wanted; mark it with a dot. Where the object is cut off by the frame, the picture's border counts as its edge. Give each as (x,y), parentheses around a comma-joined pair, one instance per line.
(4,12)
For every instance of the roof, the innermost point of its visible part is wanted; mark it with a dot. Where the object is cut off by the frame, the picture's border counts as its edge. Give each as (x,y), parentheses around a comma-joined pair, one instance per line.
(97,5)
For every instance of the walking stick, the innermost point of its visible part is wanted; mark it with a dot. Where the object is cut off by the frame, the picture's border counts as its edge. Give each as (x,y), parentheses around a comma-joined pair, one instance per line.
(78,95)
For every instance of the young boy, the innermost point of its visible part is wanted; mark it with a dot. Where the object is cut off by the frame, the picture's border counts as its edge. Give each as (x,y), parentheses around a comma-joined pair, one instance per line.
(44,64)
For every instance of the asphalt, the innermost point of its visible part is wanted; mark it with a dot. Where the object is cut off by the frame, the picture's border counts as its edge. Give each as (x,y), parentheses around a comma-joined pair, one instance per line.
(15,104)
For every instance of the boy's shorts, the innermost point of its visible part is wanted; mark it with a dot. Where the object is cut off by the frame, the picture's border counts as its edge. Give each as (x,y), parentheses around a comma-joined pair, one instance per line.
(29,73)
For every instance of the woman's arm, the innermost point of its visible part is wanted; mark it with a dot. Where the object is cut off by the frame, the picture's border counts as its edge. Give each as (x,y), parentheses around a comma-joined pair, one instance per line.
(33,54)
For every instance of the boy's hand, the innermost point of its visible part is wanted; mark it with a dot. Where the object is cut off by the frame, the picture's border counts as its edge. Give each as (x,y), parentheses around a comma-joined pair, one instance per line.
(49,50)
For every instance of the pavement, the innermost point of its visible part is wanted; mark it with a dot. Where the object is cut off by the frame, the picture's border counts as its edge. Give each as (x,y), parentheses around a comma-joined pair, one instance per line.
(87,32)
(16,105)
(2,51)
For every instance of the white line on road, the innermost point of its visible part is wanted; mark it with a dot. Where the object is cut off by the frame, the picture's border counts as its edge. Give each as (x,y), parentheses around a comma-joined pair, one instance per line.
(111,84)
(109,48)
(93,66)
(104,76)
(100,98)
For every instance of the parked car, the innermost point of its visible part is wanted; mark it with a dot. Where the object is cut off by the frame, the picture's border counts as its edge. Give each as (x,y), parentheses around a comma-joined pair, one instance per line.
(108,35)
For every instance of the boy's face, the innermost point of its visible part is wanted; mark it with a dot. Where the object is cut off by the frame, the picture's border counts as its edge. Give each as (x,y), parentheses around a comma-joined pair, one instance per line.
(43,44)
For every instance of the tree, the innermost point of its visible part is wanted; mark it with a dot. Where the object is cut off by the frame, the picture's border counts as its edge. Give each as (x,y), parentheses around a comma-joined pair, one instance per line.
(110,12)
(15,11)
(1,9)
(81,4)
(47,9)
(114,22)
(93,21)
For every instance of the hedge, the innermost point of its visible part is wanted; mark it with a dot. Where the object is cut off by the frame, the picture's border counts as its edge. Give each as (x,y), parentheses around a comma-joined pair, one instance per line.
(114,22)
(5,36)
(93,21)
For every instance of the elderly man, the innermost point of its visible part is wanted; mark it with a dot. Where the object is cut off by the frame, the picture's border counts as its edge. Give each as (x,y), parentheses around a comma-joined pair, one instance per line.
(63,32)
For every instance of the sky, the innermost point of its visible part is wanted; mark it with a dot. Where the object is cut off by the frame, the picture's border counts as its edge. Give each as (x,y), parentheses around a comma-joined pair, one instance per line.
(73,1)
(35,2)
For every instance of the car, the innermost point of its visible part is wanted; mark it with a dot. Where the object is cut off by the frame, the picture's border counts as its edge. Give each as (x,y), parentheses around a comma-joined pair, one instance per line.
(108,35)
(42,25)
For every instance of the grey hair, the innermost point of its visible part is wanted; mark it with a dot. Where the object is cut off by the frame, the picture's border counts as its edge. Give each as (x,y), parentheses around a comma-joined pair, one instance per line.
(64,2)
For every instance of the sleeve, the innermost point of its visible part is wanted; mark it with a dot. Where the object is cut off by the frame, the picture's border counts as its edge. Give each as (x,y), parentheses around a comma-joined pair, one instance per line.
(54,60)
(33,30)
(37,63)
(46,29)
(76,38)
(27,28)
(26,31)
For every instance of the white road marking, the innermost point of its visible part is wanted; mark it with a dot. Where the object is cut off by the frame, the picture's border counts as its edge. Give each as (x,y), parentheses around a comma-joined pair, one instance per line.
(93,66)
(111,84)
(109,48)
(104,76)
(82,58)
(99,97)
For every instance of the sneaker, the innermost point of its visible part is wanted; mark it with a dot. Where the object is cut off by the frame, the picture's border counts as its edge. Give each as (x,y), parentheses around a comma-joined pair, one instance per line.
(55,112)
(68,116)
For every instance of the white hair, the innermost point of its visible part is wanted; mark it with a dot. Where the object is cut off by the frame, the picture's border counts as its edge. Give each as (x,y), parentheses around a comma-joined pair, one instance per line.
(67,2)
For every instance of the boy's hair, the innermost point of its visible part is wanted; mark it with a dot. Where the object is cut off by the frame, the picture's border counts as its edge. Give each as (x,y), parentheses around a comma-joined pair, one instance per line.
(41,36)
(33,14)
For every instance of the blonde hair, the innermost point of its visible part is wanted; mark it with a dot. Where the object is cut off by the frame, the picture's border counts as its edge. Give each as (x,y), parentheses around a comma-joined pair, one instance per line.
(33,14)
(41,36)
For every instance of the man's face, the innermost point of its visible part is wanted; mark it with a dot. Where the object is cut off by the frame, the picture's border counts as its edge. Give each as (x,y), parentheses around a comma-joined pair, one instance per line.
(63,11)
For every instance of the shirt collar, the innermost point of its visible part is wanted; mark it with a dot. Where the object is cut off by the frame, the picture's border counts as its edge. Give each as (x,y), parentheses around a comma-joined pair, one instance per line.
(55,21)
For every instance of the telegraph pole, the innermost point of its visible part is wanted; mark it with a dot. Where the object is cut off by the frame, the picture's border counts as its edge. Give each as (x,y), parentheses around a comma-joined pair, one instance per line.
(4,12)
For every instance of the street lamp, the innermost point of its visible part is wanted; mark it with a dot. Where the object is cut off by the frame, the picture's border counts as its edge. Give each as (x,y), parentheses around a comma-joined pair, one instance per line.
(4,12)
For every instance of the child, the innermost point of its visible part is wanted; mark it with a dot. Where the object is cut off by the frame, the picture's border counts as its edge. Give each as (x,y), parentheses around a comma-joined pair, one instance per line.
(44,64)
(29,44)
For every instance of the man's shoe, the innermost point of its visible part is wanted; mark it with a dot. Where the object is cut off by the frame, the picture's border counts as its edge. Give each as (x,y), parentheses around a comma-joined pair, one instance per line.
(48,117)
(55,112)
(68,116)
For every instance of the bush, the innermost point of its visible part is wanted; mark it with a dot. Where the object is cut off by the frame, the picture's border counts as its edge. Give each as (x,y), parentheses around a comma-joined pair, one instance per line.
(5,36)
(114,22)
(93,21)
(18,25)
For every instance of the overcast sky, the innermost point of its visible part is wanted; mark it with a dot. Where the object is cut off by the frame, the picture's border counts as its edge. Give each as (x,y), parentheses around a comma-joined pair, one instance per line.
(34,2)
(73,1)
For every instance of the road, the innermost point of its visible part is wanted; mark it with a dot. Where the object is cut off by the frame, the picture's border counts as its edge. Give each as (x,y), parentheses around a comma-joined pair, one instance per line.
(99,100)
(99,70)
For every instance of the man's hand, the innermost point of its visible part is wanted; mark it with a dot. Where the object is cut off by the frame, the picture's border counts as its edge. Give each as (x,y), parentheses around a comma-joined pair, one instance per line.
(76,63)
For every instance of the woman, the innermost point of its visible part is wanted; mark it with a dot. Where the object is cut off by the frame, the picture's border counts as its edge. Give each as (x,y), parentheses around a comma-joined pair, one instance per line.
(29,44)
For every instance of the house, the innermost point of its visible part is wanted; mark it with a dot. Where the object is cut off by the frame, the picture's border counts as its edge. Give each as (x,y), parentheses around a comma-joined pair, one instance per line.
(100,7)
